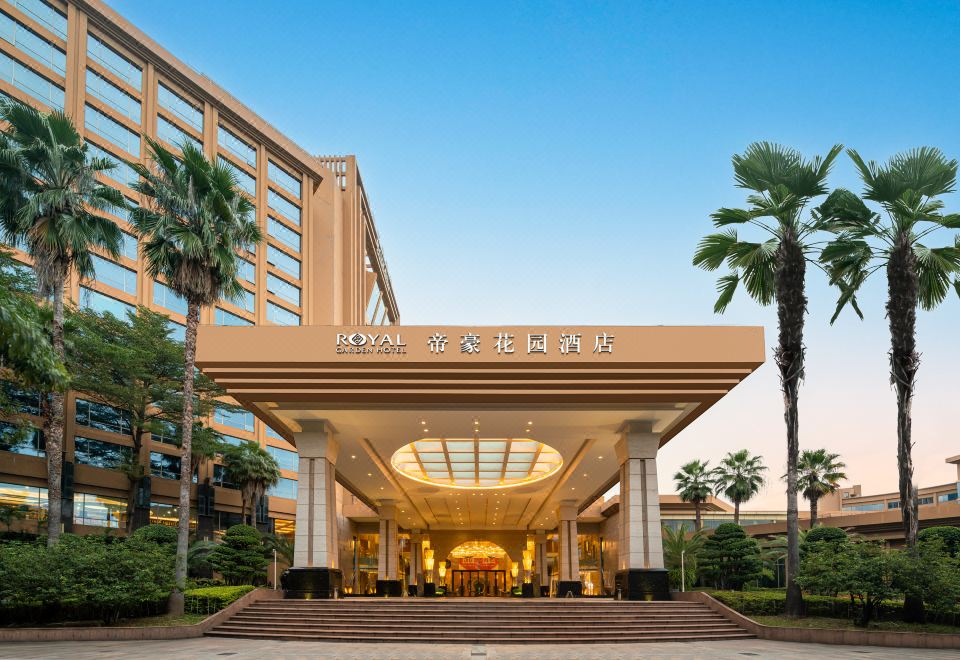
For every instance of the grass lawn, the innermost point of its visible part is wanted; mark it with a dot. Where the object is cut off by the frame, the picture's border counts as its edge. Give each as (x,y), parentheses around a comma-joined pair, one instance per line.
(826,622)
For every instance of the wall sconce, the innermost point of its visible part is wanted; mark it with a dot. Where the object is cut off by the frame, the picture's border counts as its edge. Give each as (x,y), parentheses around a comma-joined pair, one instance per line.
(428,561)
(442,571)
(514,569)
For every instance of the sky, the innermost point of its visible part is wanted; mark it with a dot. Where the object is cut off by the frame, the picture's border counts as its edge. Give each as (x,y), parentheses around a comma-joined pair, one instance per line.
(556,163)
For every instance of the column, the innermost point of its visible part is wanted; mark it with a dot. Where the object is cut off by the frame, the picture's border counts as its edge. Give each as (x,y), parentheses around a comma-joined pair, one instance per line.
(640,572)
(569,554)
(541,570)
(416,564)
(316,566)
(388,554)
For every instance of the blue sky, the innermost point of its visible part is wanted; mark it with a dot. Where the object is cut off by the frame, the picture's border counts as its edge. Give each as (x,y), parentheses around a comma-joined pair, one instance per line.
(556,163)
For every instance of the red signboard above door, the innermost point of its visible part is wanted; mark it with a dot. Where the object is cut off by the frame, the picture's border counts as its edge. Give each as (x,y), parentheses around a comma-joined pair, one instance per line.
(478,563)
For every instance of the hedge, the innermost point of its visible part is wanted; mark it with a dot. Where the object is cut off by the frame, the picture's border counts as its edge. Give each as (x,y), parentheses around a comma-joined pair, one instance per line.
(208,600)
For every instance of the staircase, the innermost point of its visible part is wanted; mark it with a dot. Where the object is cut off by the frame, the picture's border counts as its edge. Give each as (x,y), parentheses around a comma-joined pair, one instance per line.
(478,620)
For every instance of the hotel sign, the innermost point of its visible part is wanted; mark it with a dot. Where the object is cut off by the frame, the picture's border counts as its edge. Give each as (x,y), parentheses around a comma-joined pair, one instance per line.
(476,343)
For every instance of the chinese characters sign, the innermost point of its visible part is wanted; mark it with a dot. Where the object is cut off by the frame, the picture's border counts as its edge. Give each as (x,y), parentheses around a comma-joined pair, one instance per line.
(505,343)
(448,342)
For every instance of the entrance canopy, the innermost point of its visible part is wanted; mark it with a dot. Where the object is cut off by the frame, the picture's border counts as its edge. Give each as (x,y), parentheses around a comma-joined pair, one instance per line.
(470,428)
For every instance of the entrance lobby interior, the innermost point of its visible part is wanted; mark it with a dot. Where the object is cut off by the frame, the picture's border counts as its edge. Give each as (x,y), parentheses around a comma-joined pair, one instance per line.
(474,467)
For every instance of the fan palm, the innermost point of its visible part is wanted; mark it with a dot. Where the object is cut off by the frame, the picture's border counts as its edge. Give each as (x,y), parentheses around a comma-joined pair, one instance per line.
(49,203)
(194,222)
(254,470)
(738,478)
(695,484)
(774,270)
(820,474)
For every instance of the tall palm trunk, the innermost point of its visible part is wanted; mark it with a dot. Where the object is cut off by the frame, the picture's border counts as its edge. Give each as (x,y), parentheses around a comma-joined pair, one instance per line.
(736,512)
(54,427)
(814,502)
(698,524)
(903,285)
(186,471)
(791,310)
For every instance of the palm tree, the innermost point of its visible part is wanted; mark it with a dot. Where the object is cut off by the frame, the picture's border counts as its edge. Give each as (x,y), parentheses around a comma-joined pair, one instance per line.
(194,222)
(695,484)
(738,478)
(254,470)
(680,554)
(774,270)
(49,201)
(820,474)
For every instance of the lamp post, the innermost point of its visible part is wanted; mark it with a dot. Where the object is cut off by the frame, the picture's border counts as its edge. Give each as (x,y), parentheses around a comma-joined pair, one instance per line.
(683,572)
(442,574)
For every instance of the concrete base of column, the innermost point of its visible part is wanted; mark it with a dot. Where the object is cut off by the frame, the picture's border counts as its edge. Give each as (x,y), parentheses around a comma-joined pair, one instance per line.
(526,590)
(310,583)
(430,589)
(390,588)
(643,584)
(565,587)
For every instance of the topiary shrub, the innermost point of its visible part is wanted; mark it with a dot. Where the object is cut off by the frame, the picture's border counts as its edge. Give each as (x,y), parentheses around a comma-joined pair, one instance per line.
(832,535)
(949,536)
(159,534)
(730,558)
(241,557)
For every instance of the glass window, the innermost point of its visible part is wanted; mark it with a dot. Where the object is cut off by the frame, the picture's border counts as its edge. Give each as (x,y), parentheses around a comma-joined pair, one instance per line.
(273,434)
(948,497)
(103,417)
(925,500)
(33,44)
(115,275)
(164,466)
(178,331)
(99,511)
(30,82)
(104,90)
(121,172)
(874,506)
(25,440)
(283,233)
(280,259)
(281,316)
(165,432)
(118,134)
(284,179)
(280,287)
(180,106)
(246,271)
(283,207)
(30,499)
(246,300)
(286,488)
(247,183)
(166,297)
(286,459)
(45,14)
(221,477)
(99,453)
(223,317)
(128,247)
(90,299)
(26,401)
(173,135)
(169,515)
(237,146)
(233,440)
(113,61)
(238,419)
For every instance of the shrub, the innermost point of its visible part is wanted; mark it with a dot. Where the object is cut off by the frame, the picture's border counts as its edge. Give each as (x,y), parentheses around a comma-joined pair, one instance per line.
(730,558)
(208,600)
(240,558)
(831,535)
(949,536)
(159,534)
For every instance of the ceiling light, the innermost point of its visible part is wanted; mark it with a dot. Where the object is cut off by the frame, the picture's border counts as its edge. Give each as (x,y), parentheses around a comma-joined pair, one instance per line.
(369,474)
(529,423)
(353,455)
(423,421)
(600,457)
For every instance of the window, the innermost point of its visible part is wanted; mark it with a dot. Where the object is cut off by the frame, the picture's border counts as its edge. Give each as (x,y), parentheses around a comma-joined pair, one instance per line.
(247,183)
(30,499)
(100,454)
(26,401)
(180,106)
(925,500)
(121,172)
(24,440)
(283,233)
(283,207)
(164,466)
(280,287)
(44,14)
(128,247)
(273,434)
(165,432)
(33,44)
(373,306)
(246,300)
(120,135)
(99,511)
(893,505)
(280,316)
(104,90)
(286,488)
(169,515)
(237,146)
(238,419)
(166,297)
(103,417)
(948,497)
(246,271)
(177,331)
(223,317)
(286,459)
(116,63)
(280,259)
(173,135)
(221,477)
(28,81)
(283,179)
(874,506)
(233,440)
(90,299)
(115,275)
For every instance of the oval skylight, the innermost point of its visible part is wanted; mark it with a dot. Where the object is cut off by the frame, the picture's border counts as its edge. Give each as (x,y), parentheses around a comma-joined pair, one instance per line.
(477,463)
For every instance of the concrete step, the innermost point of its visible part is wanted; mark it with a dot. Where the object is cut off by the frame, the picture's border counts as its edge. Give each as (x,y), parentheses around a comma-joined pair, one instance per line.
(360,636)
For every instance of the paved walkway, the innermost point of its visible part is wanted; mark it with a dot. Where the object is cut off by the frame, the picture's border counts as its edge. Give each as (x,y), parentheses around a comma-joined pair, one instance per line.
(221,648)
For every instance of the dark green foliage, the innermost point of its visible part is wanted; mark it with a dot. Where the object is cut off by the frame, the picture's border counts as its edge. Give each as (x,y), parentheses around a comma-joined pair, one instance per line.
(730,558)
(198,559)
(949,536)
(159,534)
(207,600)
(241,557)
(834,536)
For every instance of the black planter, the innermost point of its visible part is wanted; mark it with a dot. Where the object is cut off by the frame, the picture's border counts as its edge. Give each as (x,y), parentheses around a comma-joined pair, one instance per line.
(643,584)
(565,587)
(389,588)
(526,590)
(311,583)
(429,589)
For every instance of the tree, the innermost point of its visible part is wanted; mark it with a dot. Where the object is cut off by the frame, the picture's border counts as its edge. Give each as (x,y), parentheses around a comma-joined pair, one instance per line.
(10,513)
(192,225)
(51,199)
(133,364)
(774,270)
(730,558)
(949,537)
(254,471)
(834,536)
(819,474)
(907,189)
(680,555)
(241,557)
(695,484)
(738,478)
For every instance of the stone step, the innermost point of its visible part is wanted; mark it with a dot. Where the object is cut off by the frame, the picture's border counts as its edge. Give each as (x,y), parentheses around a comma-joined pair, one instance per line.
(579,638)
(441,625)
(344,616)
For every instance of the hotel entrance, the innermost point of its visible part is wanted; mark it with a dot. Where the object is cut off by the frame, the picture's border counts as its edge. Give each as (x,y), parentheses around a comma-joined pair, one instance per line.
(479,583)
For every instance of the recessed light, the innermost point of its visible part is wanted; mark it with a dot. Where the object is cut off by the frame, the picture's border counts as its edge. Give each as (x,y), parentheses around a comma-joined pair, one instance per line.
(353,455)
(423,421)
(573,488)
(426,430)
(369,474)
(600,457)
(584,474)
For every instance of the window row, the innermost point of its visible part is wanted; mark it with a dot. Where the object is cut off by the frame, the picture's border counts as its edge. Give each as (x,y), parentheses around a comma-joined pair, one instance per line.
(113,131)
(115,275)
(117,64)
(247,183)
(104,90)
(172,134)
(25,439)
(181,107)
(31,43)
(30,82)
(45,14)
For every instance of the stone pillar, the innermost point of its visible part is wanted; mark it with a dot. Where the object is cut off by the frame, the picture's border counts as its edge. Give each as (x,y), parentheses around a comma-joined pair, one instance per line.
(316,563)
(541,569)
(416,564)
(569,555)
(640,572)
(388,555)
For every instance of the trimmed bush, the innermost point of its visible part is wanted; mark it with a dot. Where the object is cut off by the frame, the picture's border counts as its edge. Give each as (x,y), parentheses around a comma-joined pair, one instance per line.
(824,535)
(159,534)
(241,557)
(730,558)
(208,600)
(949,536)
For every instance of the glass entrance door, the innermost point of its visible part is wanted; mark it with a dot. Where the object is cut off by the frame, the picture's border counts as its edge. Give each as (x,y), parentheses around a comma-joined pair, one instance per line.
(478,583)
